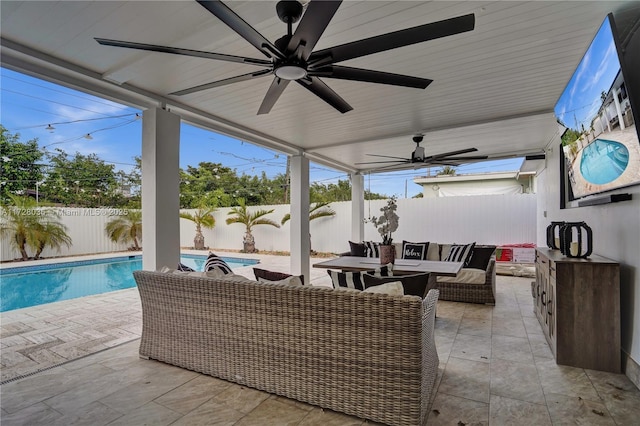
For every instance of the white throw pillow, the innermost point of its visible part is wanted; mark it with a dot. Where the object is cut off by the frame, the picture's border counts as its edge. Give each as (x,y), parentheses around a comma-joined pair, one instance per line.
(393,288)
(292,280)
(215,273)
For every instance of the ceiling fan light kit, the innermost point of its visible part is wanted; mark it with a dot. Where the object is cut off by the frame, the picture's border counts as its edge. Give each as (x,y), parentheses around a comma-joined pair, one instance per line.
(292,58)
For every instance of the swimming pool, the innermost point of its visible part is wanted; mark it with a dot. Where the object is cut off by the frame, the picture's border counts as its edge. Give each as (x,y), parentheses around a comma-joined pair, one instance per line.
(36,285)
(603,161)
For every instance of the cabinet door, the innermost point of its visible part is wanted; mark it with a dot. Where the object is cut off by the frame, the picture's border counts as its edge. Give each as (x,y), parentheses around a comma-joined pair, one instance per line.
(542,272)
(551,312)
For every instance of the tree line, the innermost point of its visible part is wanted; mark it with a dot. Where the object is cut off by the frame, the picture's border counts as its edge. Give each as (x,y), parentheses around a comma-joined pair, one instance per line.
(76,180)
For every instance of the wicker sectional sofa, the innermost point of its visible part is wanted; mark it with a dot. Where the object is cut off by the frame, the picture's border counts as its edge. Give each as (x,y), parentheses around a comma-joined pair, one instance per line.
(367,355)
(472,285)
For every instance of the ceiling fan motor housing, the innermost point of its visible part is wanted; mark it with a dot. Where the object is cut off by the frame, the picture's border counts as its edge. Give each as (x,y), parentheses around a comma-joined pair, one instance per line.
(289,11)
(418,154)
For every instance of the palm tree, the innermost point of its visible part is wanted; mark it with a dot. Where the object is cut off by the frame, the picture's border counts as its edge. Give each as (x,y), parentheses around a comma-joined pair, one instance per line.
(52,234)
(126,228)
(249,220)
(447,170)
(203,218)
(316,211)
(29,226)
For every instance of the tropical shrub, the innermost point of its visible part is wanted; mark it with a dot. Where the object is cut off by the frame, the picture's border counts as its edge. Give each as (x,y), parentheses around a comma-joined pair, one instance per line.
(240,214)
(126,228)
(316,211)
(29,226)
(203,218)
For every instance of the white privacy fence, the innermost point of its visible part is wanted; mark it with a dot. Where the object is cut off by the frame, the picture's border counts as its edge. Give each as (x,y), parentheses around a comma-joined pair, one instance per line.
(86,227)
(487,219)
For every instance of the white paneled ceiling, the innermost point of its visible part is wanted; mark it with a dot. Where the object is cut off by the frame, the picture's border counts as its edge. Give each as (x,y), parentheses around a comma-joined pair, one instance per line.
(494,88)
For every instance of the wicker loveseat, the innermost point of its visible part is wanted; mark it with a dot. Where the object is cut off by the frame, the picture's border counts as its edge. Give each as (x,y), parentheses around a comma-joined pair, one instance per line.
(368,355)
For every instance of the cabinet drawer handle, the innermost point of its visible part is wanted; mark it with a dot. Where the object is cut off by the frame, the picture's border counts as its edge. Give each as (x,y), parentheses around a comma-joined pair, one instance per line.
(544,303)
(550,307)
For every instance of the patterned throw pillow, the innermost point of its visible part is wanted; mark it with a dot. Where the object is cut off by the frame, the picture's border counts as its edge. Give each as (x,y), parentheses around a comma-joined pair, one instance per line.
(263,274)
(354,279)
(215,261)
(185,268)
(373,249)
(416,251)
(460,253)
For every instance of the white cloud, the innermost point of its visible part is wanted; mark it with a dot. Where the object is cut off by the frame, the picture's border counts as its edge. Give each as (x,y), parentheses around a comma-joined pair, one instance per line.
(608,59)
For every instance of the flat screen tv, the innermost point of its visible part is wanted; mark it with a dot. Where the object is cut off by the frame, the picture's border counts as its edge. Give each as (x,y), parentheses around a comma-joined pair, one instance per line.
(600,146)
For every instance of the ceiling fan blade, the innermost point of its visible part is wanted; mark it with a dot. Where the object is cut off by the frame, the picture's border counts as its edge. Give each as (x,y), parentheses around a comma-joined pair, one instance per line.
(393,40)
(358,74)
(224,82)
(449,154)
(324,92)
(385,162)
(471,157)
(399,166)
(185,52)
(388,156)
(442,163)
(273,94)
(311,26)
(240,26)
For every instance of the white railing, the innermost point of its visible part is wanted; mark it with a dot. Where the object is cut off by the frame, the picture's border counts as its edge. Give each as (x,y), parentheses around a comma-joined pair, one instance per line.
(490,219)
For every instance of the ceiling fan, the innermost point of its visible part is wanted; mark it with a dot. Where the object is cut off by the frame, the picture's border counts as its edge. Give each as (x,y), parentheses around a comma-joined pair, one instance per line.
(292,58)
(450,158)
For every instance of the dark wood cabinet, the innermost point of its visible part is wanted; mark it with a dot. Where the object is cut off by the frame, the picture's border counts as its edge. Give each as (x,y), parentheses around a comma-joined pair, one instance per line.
(577,302)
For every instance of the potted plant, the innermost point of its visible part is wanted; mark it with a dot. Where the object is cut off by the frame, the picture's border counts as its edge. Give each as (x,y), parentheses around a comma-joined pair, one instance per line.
(386,225)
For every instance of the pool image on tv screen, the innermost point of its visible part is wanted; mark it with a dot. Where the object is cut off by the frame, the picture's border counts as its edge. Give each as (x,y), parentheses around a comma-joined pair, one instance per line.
(600,144)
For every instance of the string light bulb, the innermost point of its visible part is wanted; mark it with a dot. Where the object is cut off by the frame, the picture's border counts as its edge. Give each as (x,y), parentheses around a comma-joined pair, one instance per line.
(88,136)
(50,128)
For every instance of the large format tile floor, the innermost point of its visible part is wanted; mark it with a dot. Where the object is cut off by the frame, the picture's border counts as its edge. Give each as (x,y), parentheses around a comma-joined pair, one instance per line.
(495,368)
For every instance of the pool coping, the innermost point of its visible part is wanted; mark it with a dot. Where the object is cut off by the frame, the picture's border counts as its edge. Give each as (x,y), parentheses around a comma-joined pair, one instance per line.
(61,262)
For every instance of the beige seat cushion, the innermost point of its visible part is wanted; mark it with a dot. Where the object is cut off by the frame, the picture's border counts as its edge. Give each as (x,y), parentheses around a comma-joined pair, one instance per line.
(466,276)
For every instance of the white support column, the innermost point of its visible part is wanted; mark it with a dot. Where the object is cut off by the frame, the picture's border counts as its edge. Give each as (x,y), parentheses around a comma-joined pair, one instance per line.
(300,240)
(160,189)
(616,92)
(357,207)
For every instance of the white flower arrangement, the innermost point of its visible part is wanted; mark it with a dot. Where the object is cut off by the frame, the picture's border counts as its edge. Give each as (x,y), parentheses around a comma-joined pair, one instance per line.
(388,222)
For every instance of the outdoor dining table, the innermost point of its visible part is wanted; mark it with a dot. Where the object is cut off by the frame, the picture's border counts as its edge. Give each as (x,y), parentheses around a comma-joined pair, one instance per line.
(400,266)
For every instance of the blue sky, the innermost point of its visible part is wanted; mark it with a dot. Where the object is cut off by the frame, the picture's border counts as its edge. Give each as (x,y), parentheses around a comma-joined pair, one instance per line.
(29,105)
(595,74)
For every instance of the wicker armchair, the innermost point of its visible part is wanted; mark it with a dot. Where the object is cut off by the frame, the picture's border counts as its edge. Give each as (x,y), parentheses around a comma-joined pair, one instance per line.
(472,293)
(368,355)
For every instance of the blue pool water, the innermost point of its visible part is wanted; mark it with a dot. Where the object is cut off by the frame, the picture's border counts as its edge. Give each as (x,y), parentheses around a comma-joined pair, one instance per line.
(603,161)
(40,284)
